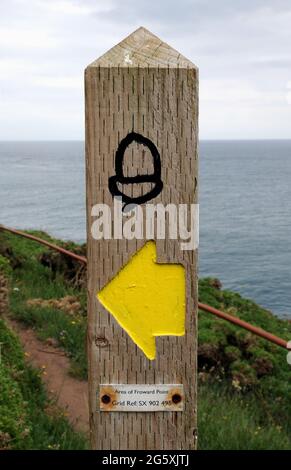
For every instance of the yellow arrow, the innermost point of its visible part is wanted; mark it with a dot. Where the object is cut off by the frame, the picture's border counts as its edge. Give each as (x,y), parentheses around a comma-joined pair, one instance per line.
(147,299)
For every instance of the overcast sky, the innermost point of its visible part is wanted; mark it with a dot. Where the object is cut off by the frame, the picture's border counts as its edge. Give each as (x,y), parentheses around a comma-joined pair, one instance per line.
(242,48)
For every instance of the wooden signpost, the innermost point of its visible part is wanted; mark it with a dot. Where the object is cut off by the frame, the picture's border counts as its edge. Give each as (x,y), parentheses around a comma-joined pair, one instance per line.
(141,150)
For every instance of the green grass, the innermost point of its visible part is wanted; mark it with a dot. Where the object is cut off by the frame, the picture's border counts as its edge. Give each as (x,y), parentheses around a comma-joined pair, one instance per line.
(232,421)
(244,381)
(33,280)
(24,420)
(254,364)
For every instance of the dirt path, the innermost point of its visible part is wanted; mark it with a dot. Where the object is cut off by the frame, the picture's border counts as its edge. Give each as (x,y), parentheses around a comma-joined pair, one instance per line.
(69,393)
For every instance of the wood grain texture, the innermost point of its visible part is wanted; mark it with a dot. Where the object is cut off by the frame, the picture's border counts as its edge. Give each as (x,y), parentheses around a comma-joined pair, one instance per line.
(141,85)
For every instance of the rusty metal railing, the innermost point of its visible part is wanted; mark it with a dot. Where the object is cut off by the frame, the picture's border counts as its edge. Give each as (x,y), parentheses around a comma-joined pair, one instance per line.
(82,259)
(247,326)
(207,308)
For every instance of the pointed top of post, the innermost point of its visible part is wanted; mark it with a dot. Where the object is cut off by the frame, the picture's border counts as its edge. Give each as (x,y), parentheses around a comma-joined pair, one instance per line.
(142,49)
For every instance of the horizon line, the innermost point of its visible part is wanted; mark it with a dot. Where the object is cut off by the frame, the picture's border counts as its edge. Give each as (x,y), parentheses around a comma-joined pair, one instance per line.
(199,140)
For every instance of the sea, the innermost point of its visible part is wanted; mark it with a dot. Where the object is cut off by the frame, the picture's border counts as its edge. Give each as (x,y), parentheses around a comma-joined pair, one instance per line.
(245,208)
